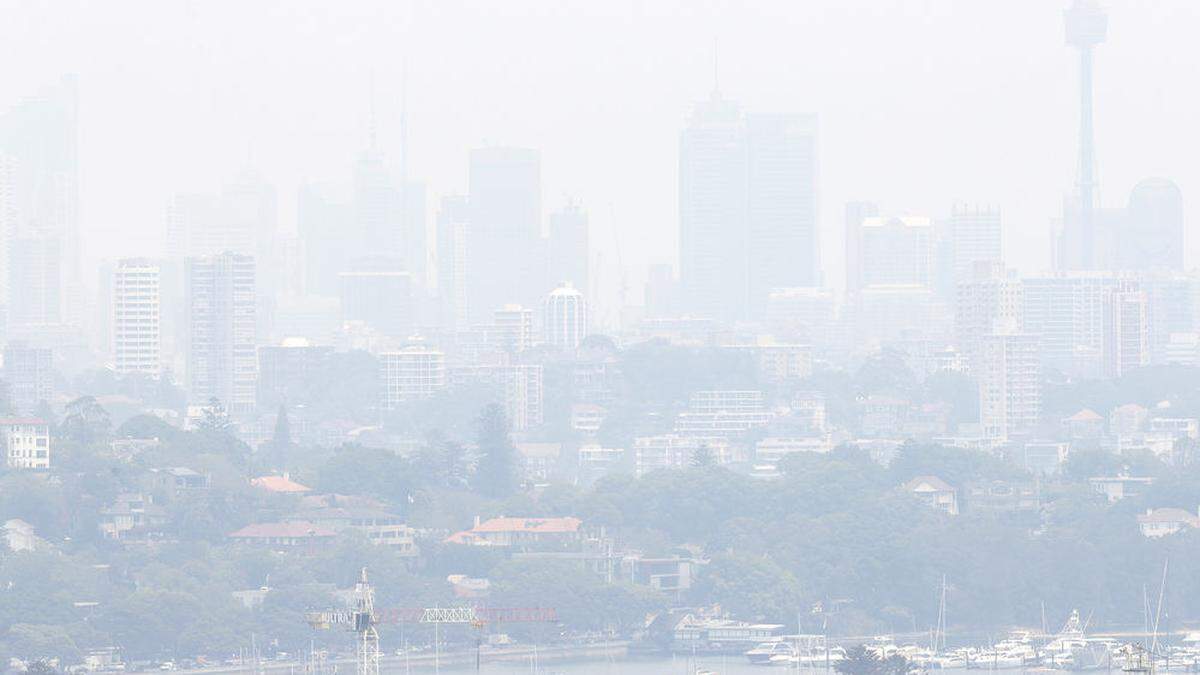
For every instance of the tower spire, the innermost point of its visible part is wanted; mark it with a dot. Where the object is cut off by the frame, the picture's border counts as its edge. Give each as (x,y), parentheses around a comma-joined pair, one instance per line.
(1086,26)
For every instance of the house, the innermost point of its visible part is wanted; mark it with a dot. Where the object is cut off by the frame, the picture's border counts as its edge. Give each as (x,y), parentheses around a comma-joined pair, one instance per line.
(586,418)
(280,484)
(26,442)
(523,533)
(881,416)
(935,492)
(177,479)
(1177,427)
(1004,496)
(538,460)
(376,525)
(1045,457)
(292,533)
(1166,521)
(1126,420)
(21,536)
(671,574)
(132,514)
(1116,488)
(1084,424)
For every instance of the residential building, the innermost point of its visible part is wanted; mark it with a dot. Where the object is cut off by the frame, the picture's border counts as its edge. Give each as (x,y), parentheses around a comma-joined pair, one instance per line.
(520,384)
(935,492)
(1166,521)
(1066,312)
(512,328)
(280,484)
(677,451)
(522,533)
(975,238)
(26,442)
(287,371)
(378,526)
(1010,385)
(289,534)
(566,322)
(29,372)
(135,321)
(132,515)
(1126,330)
(380,298)
(410,374)
(222,358)
(988,300)
(453,231)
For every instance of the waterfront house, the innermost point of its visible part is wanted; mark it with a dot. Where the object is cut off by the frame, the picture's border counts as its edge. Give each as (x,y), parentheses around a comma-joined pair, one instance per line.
(1166,521)
(935,492)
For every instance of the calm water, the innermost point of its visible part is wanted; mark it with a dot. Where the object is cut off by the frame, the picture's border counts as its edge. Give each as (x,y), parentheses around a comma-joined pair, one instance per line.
(729,665)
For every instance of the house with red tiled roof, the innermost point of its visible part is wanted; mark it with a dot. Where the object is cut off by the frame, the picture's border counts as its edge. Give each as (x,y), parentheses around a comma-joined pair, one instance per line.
(521,532)
(280,484)
(288,533)
(935,492)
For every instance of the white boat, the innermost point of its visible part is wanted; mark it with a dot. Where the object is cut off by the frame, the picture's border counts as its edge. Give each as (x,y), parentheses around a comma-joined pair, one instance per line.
(764,652)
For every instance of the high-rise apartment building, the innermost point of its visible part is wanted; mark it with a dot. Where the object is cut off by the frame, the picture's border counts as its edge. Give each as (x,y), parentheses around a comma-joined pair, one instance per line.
(513,328)
(35,277)
(1010,384)
(135,317)
(1066,311)
(1126,329)
(410,374)
(897,251)
(566,322)
(988,301)
(221,347)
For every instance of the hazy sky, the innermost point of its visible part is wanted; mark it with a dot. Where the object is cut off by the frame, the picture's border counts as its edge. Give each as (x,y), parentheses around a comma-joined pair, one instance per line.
(922,103)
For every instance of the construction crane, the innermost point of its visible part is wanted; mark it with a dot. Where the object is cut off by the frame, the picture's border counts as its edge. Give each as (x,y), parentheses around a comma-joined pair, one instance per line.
(359,619)
(362,618)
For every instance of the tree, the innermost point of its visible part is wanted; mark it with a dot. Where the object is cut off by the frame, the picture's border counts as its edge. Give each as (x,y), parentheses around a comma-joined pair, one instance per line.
(85,420)
(862,661)
(702,456)
(216,418)
(281,441)
(496,475)
(6,404)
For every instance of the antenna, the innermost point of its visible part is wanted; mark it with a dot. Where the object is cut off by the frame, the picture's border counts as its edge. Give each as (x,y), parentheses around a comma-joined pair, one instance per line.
(371,111)
(716,66)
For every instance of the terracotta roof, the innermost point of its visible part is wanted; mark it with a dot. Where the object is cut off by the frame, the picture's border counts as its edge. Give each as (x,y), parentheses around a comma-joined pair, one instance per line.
(933,482)
(279,484)
(291,529)
(539,525)
(1085,415)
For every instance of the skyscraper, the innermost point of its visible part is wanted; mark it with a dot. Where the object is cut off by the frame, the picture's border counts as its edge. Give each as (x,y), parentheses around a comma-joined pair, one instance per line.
(453,229)
(896,250)
(135,318)
(856,214)
(1126,329)
(221,355)
(567,258)
(322,221)
(513,326)
(782,247)
(1151,237)
(566,318)
(381,299)
(29,372)
(504,236)
(988,302)
(1066,311)
(35,276)
(713,211)
(975,237)
(39,152)
(410,374)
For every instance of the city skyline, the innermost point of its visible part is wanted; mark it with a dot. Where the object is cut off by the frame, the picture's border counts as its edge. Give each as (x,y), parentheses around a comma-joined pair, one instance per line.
(855,130)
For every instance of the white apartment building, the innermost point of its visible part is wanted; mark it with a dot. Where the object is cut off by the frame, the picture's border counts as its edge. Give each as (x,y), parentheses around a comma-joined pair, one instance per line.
(135,320)
(566,318)
(222,351)
(411,374)
(26,443)
(1010,387)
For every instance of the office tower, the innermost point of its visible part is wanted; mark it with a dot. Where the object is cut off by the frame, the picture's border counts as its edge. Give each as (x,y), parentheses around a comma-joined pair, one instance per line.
(897,251)
(251,206)
(242,218)
(377,208)
(566,318)
(513,326)
(1151,238)
(453,228)
(567,259)
(713,211)
(782,246)
(1086,26)
(1010,382)
(661,294)
(1173,308)
(8,218)
(410,374)
(987,302)
(856,214)
(135,317)
(1066,311)
(322,221)
(380,299)
(974,238)
(29,372)
(414,245)
(38,144)
(288,371)
(1126,329)
(221,355)
(504,234)
(35,277)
